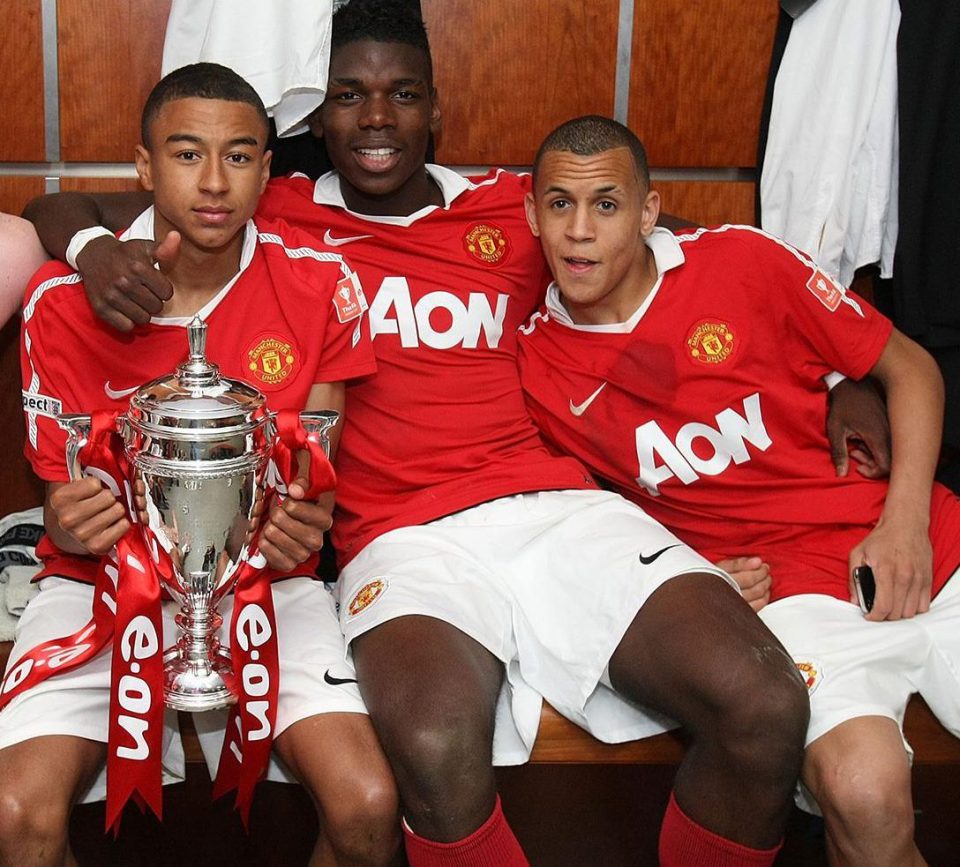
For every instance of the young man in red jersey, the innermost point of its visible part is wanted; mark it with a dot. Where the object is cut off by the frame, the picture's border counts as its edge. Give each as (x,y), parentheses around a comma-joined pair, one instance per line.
(696,363)
(203,156)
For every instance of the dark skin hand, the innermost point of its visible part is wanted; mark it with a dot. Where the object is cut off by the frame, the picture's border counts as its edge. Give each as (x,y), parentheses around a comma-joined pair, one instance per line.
(858,428)
(142,287)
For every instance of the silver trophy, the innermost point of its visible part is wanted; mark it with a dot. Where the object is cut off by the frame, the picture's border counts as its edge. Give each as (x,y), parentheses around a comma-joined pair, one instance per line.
(200,446)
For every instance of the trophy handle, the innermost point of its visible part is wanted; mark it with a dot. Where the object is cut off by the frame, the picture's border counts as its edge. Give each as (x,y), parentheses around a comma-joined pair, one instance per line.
(317,423)
(78,426)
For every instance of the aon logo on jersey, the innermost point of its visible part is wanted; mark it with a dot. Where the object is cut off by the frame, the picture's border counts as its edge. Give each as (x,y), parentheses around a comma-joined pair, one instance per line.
(439,320)
(660,459)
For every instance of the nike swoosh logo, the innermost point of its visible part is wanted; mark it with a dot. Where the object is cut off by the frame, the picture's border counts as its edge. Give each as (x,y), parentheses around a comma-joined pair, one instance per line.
(119,393)
(579,409)
(339,242)
(648,560)
(337,681)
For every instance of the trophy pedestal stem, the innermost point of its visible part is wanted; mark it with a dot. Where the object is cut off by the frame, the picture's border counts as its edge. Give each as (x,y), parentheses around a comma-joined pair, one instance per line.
(197,670)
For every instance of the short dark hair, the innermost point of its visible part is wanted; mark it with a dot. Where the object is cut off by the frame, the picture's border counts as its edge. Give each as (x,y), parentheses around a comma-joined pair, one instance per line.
(382,21)
(203,80)
(594,134)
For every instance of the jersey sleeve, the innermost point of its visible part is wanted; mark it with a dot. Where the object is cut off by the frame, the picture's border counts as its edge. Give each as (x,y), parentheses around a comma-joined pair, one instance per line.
(46,386)
(347,351)
(324,300)
(843,331)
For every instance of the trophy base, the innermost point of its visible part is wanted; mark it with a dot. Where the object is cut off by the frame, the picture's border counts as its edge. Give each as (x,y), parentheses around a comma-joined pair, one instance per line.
(192,687)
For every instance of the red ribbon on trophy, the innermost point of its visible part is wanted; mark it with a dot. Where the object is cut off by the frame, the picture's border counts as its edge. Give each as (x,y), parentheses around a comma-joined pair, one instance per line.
(126,608)
(253,643)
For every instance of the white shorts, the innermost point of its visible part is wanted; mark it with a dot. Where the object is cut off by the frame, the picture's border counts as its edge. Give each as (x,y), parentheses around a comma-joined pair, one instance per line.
(77,702)
(548,582)
(856,667)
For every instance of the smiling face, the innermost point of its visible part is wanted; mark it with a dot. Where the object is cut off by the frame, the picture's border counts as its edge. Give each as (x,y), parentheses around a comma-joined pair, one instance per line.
(376,121)
(207,166)
(592,214)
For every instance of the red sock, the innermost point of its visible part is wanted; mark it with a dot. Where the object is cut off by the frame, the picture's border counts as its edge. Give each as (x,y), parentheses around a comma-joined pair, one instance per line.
(491,845)
(684,843)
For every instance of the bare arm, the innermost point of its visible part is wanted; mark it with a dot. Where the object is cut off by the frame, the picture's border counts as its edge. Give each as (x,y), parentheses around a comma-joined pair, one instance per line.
(121,279)
(898,549)
(20,255)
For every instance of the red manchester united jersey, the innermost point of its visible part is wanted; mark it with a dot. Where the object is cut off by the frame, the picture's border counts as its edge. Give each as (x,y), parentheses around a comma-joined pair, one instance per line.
(443,425)
(257,332)
(708,407)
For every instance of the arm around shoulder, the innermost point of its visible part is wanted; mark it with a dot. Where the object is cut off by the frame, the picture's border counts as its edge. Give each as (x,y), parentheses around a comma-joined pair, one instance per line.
(898,548)
(59,216)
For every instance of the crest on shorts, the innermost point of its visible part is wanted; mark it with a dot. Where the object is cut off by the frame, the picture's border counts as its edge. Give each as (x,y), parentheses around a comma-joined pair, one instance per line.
(367,595)
(486,242)
(811,672)
(271,359)
(710,342)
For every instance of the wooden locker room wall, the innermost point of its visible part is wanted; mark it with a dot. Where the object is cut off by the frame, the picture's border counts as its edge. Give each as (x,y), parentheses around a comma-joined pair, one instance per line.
(109,60)
(695,80)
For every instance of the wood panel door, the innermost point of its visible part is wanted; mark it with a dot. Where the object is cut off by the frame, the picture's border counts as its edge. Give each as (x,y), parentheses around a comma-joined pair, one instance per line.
(110,53)
(507,72)
(17,190)
(708,203)
(21,84)
(697,79)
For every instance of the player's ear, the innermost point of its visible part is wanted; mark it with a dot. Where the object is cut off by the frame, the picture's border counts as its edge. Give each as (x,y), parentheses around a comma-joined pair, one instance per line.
(436,116)
(141,159)
(314,122)
(530,208)
(651,211)
(265,169)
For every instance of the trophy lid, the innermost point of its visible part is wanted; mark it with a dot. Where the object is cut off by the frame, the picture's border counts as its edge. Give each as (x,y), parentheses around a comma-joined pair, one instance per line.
(196,395)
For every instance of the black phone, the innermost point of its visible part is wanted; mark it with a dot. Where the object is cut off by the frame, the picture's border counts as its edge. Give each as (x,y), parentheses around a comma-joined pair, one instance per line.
(866,587)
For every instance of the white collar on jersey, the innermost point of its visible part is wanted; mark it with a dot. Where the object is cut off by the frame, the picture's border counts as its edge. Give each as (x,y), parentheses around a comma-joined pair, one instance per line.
(142,229)
(327,192)
(667,254)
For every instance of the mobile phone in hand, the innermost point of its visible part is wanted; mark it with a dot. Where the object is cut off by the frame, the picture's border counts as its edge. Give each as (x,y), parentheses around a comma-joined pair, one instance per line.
(866,587)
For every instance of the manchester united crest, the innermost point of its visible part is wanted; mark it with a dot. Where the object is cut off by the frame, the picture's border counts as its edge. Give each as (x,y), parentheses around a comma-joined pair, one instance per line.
(271,360)
(366,596)
(810,671)
(486,243)
(710,342)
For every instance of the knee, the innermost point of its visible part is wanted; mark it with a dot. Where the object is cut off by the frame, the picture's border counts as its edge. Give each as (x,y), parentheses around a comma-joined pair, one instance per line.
(445,774)
(764,714)
(443,747)
(363,824)
(864,800)
(28,824)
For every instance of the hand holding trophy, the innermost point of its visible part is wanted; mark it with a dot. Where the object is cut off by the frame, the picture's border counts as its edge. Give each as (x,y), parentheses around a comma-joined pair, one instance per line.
(199,446)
